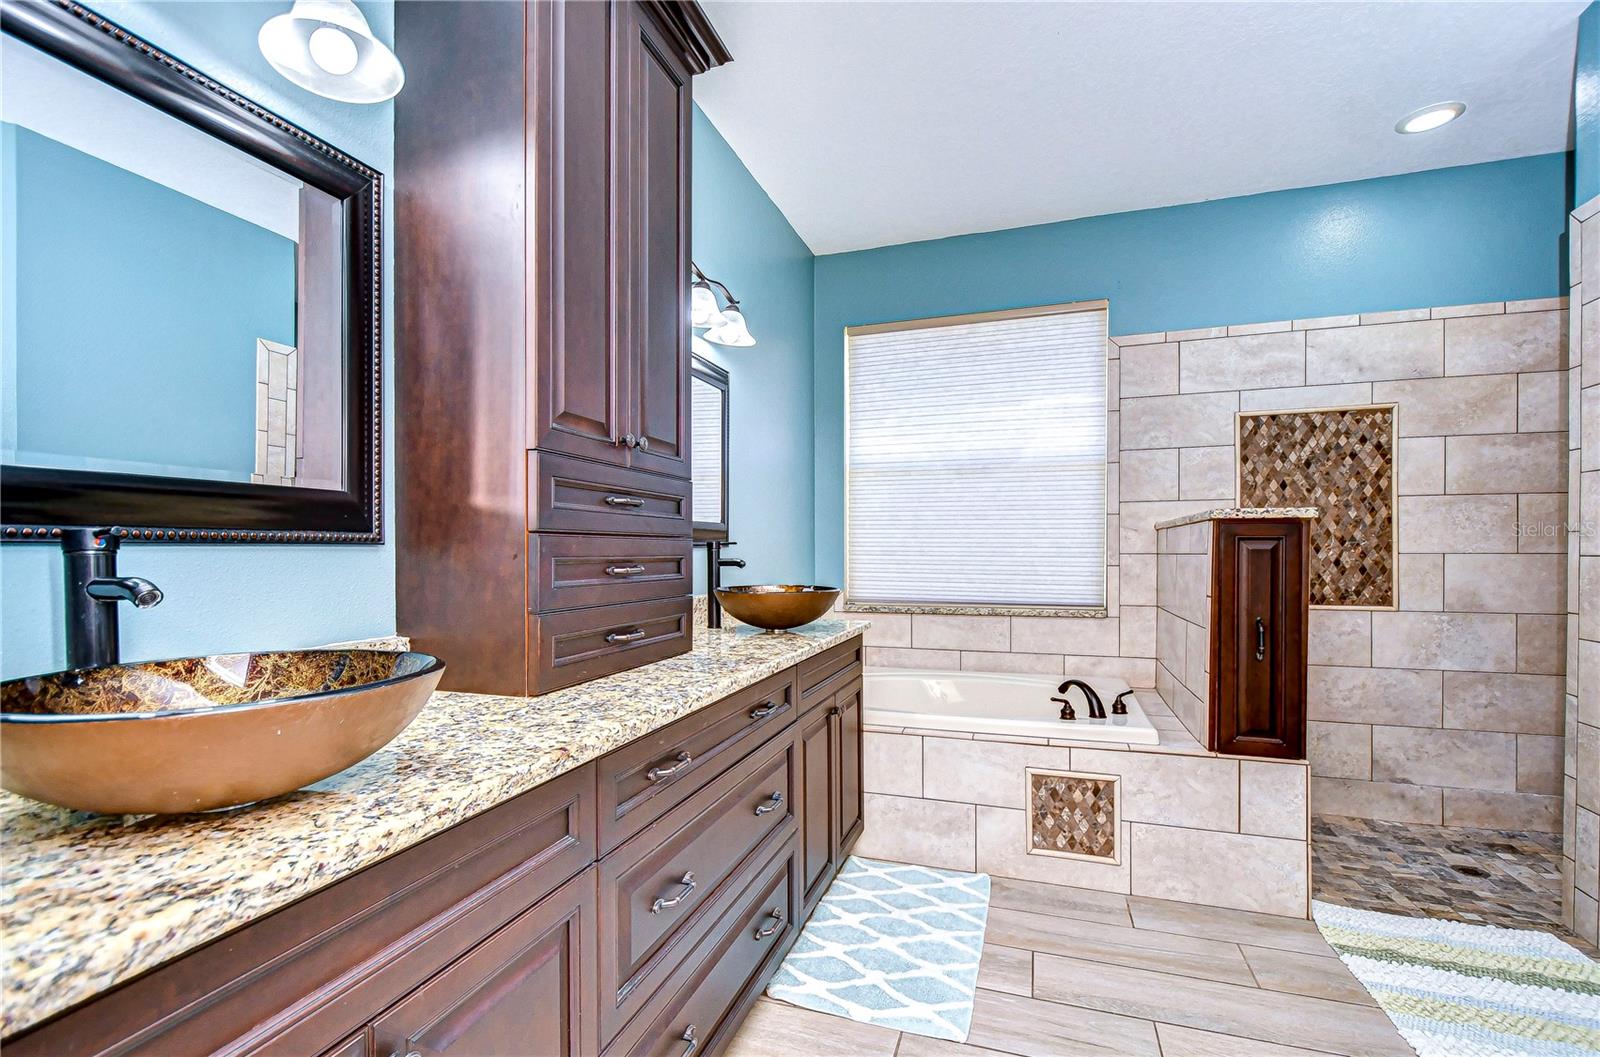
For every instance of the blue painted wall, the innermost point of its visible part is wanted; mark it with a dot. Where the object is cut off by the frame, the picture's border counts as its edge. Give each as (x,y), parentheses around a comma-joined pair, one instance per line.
(1586,108)
(230,598)
(1448,236)
(741,239)
(172,330)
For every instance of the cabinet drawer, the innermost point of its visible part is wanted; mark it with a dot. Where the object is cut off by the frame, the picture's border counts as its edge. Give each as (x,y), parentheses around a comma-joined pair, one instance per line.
(642,781)
(583,644)
(657,892)
(571,572)
(706,999)
(572,495)
(823,674)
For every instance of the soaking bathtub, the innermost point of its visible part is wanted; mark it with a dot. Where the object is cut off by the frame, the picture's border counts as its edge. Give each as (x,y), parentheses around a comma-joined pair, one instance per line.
(998,703)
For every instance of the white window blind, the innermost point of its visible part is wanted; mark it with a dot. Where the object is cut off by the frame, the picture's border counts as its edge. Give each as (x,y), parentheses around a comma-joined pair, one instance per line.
(976,460)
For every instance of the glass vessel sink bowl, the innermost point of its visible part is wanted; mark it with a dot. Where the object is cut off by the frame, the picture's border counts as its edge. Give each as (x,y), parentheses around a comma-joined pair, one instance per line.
(202,733)
(777,607)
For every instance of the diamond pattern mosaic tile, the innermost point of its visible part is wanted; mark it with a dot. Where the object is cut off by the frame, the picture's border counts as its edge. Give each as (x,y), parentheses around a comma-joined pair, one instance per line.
(1342,461)
(1073,815)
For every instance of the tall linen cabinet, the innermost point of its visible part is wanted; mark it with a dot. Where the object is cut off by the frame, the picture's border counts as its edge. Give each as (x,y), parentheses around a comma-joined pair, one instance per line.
(542,367)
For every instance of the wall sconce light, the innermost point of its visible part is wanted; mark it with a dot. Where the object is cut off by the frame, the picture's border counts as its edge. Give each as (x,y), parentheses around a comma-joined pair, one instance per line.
(326,47)
(725,324)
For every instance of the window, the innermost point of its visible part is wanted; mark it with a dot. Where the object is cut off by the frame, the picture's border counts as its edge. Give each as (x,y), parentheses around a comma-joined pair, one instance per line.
(975,452)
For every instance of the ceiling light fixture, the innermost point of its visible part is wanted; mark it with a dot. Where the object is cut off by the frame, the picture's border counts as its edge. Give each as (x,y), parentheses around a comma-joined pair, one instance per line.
(326,47)
(1428,118)
(726,325)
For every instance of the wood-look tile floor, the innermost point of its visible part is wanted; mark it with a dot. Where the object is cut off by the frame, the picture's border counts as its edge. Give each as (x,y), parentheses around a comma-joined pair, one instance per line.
(1070,973)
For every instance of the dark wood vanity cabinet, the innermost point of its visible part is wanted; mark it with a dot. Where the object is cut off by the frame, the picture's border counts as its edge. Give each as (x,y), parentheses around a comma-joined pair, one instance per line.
(627,908)
(1259,597)
(542,155)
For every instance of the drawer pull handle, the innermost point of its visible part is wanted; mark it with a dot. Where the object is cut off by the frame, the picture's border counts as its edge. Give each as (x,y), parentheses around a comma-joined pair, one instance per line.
(767,710)
(777,923)
(626,636)
(627,440)
(694,1043)
(660,770)
(772,804)
(624,500)
(667,904)
(624,570)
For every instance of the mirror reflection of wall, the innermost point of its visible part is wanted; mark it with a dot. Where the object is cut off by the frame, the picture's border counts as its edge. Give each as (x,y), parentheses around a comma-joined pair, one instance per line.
(170,303)
(709,449)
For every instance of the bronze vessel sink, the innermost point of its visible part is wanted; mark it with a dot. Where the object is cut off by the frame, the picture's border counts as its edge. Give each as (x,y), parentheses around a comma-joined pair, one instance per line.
(204,732)
(777,607)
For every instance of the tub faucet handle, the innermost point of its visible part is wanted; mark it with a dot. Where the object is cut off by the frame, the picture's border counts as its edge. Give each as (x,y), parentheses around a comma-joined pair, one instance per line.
(1119,707)
(1066,708)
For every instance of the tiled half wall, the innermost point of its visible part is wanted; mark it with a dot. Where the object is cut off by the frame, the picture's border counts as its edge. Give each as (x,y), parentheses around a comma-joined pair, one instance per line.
(1450,707)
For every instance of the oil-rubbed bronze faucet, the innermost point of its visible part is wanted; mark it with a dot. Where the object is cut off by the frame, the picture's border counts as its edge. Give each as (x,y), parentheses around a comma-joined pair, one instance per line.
(715,563)
(1097,710)
(93,590)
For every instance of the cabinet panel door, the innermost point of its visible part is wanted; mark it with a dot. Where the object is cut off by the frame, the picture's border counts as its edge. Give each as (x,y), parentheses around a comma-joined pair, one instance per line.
(847,804)
(529,988)
(1258,699)
(818,744)
(580,399)
(655,162)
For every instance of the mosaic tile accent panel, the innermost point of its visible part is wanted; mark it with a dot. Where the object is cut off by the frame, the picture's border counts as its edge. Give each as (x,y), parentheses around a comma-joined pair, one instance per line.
(1342,461)
(1076,816)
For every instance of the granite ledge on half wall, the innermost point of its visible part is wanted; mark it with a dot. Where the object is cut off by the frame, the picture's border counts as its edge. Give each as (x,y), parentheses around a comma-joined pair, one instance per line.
(1226,513)
(89,901)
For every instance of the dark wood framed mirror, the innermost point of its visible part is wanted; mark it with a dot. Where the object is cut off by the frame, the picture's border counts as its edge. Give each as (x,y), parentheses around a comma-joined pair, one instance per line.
(195,347)
(708,448)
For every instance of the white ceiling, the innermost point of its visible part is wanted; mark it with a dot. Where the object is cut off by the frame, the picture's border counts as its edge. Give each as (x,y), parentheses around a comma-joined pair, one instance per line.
(872,124)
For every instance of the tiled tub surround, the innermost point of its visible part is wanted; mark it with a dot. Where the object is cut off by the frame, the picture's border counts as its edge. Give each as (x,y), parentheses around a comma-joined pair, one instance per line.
(1195,827)
(89,901)
(1580,763)
(1447,710)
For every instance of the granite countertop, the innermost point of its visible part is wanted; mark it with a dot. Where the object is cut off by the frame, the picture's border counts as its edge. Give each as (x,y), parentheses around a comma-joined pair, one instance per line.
(1223,512)
(88,901)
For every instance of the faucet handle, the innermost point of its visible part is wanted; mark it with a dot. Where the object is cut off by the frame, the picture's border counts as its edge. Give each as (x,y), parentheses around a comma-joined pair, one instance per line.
(1066,708)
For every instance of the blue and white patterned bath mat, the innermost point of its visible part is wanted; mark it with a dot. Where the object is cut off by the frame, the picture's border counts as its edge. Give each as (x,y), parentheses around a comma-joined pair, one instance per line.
(893,945)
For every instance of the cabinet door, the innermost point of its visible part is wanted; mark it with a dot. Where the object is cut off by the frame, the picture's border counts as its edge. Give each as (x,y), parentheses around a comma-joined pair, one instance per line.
(654,160)
(1258,697)
(527,989)
(818,744)
(847,757)
(580,245)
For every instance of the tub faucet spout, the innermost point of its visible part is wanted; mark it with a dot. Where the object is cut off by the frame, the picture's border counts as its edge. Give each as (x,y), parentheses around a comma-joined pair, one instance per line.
(1097,710)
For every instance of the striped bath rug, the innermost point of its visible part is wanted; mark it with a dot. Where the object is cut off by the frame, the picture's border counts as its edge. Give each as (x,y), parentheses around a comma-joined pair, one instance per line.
(892,945)
(1459,990)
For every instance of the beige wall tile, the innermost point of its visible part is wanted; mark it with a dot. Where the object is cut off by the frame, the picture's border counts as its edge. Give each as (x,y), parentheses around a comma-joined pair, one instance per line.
(1172,643)
(1386,800)
(1023,663)
(927,832)
(1476,809)
(1460,758)
(1339,750)
(1148,370)
(1398,315)
(1432,407)
(1264,874)
(1196,672)
(1527,704)
(1589,412)
(1505,583)
(1076,635)
(1149,475)
(1256,361)
(1421,581)
(1192,420)
(888,629)
(894,657)
(1537,304)
(1512,462)
(1137,672)
(985,772)
(1371,353)
(1300,397)
(1539,764)
(939,632)
(1340,636)
(1197,333)
(1586,856)
(1272,799)
(1451,641)
(1419,466)
(1485,308)
(1526,341)
(891,763)
(1002,850)
(1138,576)
(1124,340)
(1541,523)
(1259,328)
(1541,402)
(1324,322)
(1201,792)
(1139,521)
(1373,695)
(1138,631)
(1208,473)
(1458,524)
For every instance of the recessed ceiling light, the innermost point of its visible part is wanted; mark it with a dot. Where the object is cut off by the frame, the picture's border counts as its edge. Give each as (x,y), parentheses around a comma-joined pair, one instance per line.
(1428,118)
